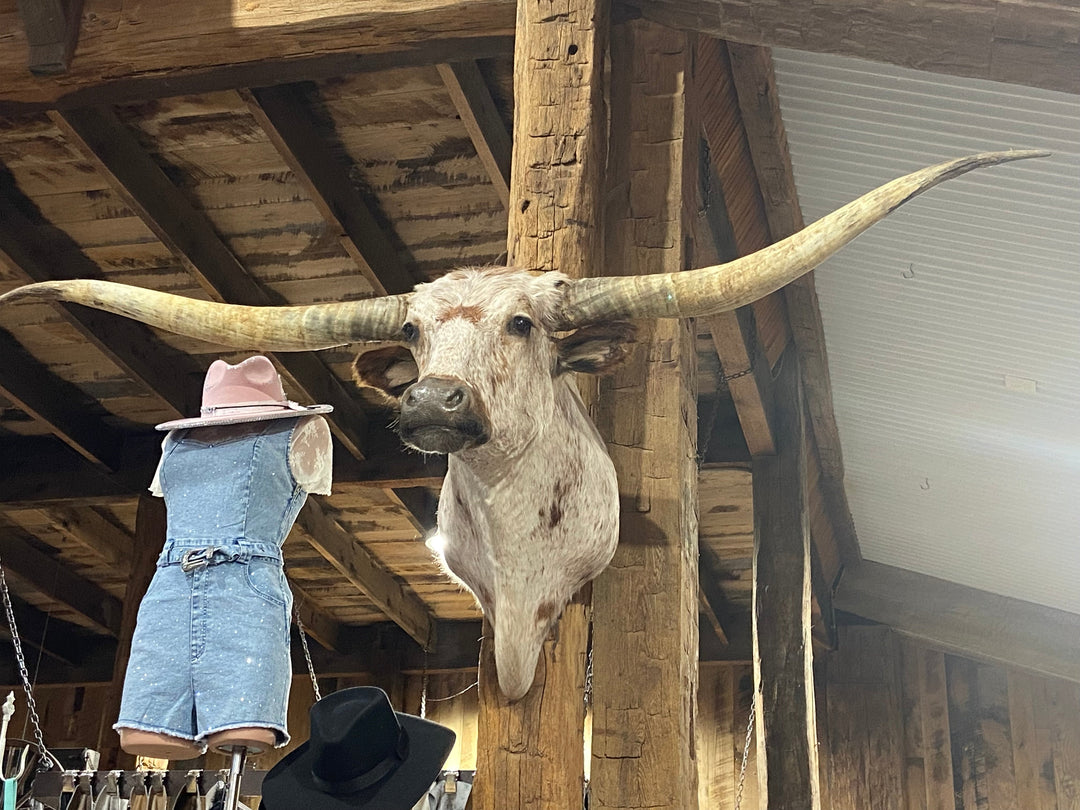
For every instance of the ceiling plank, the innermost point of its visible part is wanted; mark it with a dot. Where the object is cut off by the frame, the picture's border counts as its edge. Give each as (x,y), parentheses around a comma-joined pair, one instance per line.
(474,104)
(287,121)
(357,565)
(187,232)
(1026,43)
(56,639)
(169,40)
(132,346)
(43,472)
(52,29)
(89,529)
(47,575)
(56,403)
(963,620)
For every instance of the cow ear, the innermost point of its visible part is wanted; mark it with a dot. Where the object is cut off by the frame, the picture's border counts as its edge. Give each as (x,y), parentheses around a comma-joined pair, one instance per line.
(595,349)
(389,371)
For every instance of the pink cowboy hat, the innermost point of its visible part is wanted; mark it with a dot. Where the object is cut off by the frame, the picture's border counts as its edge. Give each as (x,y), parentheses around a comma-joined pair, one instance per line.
(250,391)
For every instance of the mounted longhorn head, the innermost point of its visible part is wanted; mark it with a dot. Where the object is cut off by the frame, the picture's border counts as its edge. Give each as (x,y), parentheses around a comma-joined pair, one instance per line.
(530,502)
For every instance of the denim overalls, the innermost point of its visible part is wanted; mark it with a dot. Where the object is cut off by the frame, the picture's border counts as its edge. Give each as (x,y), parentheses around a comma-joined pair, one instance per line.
(211,644)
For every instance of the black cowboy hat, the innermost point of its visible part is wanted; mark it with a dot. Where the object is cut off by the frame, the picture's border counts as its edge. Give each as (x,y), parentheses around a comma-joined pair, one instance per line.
(361,754)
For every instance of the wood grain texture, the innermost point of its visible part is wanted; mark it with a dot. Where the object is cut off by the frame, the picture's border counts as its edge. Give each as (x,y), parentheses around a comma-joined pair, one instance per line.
(787,729)
(173,38)
(1033,44)
(532,752)
(965,620)
(645,627)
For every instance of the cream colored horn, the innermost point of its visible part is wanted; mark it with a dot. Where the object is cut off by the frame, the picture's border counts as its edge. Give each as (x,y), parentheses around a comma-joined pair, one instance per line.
(283,329)
(725,287)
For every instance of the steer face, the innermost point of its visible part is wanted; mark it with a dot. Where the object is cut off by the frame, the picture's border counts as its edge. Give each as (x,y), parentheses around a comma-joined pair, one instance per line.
(477,360)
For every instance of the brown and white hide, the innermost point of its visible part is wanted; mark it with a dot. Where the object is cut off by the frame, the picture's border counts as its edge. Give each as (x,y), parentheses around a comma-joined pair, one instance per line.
(532,513)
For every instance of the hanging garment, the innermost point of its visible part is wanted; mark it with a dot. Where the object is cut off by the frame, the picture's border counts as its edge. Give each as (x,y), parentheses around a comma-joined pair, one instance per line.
(211,644)
(449,792)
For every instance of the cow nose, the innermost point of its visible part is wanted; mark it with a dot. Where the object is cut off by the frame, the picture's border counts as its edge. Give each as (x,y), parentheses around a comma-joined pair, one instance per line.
(440,393)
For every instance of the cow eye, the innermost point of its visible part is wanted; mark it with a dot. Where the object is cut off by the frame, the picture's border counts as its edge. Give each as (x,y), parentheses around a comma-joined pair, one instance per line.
(519,325)
(409,331)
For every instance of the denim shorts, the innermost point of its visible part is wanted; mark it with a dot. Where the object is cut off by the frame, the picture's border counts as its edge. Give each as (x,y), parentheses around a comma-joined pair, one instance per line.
(211,644)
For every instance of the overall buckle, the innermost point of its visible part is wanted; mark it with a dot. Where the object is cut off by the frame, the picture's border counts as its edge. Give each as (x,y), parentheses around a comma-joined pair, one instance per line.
(197,558)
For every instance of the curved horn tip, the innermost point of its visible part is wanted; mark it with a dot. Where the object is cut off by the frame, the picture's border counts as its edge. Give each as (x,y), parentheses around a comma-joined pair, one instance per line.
(42,289)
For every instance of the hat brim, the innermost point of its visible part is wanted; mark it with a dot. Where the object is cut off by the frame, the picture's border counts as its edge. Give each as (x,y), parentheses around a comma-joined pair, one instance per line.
(289,784)
(240,417)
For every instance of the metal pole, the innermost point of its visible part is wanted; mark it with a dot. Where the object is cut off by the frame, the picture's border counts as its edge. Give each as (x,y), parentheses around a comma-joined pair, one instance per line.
(236,770)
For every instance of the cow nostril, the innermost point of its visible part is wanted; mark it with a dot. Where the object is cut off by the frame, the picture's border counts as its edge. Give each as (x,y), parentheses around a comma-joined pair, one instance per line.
(454,398)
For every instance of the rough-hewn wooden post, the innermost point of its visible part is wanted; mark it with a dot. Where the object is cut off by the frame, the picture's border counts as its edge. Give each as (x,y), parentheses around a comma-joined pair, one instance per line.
(645,606)
(783,647)
(531,753)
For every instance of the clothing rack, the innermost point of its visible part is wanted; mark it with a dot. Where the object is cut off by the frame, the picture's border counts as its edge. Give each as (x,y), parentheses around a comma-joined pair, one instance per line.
(51,787)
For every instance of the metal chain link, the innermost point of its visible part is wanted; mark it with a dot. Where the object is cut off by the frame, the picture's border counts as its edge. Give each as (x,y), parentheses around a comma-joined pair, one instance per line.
(16,641)
(307,654)
(745,754)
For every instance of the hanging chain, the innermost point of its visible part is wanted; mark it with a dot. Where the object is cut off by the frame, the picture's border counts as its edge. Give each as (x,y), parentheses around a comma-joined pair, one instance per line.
(31,705)
(424,688)
(745,754)
(307,655)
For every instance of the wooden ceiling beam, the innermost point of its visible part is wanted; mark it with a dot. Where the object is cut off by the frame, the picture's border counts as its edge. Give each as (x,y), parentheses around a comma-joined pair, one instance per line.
(1026,43)
(965,621)
(90,529)
(755,85)
(170,41)
(40,252)
(61,406)
(356,564)
(317,623)
(38,571)
(59,640)
(52,29)
(40,472)
(187,232)
(735,336)
(472,98)
(288,123)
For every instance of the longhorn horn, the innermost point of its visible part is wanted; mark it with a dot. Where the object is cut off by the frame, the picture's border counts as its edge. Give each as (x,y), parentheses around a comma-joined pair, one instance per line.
(725,287)
(285,329)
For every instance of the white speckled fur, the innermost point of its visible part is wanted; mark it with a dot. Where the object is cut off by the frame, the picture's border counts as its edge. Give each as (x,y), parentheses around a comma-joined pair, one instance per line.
(533,514)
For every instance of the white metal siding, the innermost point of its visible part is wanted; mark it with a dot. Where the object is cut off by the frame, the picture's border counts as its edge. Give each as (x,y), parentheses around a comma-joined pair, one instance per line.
(948,472)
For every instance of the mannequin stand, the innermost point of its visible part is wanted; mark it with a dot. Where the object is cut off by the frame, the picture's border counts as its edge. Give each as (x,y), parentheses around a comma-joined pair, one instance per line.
(236,770)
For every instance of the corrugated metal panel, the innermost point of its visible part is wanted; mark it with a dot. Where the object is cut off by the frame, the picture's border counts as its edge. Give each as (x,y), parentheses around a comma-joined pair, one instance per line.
(949,472)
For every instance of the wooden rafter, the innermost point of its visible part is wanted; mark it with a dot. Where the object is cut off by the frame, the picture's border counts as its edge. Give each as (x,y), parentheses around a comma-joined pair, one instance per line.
(165,45)
(287,122)
(783,652)
(52,29)
(39,572)
(57,404)
(755,84)
(474,104)
(734,334)
(56,639)
(358,566)
(318,624)
(88,528)
(963,620)
(1025,43)
(187,232)
(129,344)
